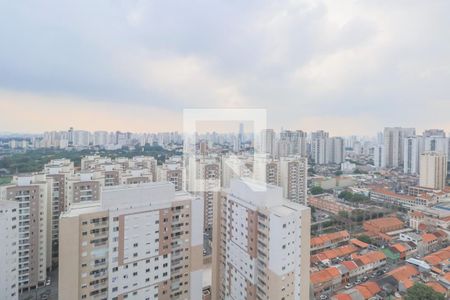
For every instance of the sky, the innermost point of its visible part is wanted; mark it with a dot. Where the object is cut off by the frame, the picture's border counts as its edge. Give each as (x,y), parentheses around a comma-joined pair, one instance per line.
(349,67)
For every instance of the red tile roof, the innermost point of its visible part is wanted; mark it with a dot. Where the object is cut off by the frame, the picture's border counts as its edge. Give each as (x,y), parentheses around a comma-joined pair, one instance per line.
(359,243)
(429,237)
(404,272)
(325,275)
(368,289)
(437,287)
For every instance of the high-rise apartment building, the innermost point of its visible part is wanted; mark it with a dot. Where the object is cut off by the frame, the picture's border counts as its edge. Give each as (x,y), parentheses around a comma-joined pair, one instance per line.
(433,170)
(203,176)
(434,133)
(83,186)
(267,142)
(266,169)
(436,144)
(394,138)
(378,156)
(293,178)
(33,194)
(171,172)
(140,241)
(334,149)
(58,171)
(413,147)
(292,143)
(9,250)
(261,244)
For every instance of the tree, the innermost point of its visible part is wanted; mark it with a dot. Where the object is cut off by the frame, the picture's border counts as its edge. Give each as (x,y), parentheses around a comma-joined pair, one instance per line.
(420,291)
(365,238)
(338,173)
(343,214)
(316,190)
(346,195)
(359,198)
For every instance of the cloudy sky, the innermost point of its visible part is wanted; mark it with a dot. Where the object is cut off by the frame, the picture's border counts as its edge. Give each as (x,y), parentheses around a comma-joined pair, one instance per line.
(343,66)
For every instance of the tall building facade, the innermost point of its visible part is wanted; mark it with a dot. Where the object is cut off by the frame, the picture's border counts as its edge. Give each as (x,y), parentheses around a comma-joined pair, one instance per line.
(433,170)
(413,147)
(378,156)
(293,179)
(334,148)
(266,169)
(140,241)
(9,250)
(173,173)
(204,175)
(261,246)
(394,138)
(57,171)
(267,142)
(33,195)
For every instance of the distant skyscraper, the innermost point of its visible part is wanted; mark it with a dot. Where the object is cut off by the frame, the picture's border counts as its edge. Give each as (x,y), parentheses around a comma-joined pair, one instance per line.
(293,178)
(141,242)
(292,143)
(267,141)
(334,150)
(261,246)
(413,147)
(318,146)
(433,170)
(378,156)
(394,145)
(434,133)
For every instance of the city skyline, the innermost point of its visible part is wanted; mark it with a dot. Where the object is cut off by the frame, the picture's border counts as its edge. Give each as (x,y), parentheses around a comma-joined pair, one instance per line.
(350,67)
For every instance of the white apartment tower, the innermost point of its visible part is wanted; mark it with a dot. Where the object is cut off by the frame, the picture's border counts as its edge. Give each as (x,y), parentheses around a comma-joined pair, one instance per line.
(139,242)
(293,179)
(318,146)
(433,170)
(9,250)
(33,195)
(261,246)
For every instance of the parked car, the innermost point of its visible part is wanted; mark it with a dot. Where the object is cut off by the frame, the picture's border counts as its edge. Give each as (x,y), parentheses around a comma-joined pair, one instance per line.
(348,286)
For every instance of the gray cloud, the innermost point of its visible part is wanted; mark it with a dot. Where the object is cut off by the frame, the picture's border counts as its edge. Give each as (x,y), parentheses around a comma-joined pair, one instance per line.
(321,60)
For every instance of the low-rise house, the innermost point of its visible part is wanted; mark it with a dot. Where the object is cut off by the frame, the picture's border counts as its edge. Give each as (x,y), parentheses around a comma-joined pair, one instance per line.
(330,240)
(381,226)
(326,281)
(364,291)
(329,255)
(369,262)
(429,242)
